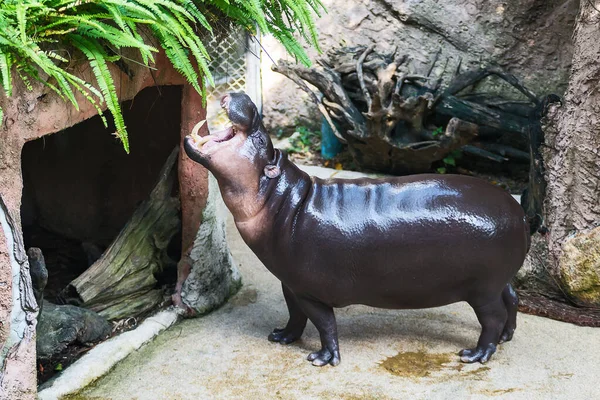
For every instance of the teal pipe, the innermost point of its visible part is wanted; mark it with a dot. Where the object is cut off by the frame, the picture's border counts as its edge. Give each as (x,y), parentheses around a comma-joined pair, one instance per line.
(330,145)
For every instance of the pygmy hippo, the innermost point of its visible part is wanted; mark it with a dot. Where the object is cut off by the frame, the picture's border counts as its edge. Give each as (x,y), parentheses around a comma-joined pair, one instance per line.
(400,243)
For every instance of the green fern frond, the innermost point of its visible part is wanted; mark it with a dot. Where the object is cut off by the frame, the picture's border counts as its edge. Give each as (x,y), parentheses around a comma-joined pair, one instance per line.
(97,59)
(178,57)
(284,18)
(302,13)
(132,8)
(291,45)
(5,75)
(82,86)
(200,18)
(21,13)
(118,18)
(33,34)
(254,9)
(146,58)
(24,77)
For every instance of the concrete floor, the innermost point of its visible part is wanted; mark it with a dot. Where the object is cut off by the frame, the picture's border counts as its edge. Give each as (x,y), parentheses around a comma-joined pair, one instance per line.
(226,355)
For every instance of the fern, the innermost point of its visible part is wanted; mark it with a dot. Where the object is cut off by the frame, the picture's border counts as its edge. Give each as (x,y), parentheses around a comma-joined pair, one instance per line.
(36,35)
(97,58)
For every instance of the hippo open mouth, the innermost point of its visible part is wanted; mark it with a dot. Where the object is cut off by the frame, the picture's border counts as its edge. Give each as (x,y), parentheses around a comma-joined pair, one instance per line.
(203,143)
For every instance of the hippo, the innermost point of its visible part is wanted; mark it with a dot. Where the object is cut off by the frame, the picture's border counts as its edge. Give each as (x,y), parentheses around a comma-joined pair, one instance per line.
(407,242)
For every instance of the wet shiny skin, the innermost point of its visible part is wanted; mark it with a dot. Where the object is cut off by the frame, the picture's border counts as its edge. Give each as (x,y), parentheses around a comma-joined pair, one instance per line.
(406,242)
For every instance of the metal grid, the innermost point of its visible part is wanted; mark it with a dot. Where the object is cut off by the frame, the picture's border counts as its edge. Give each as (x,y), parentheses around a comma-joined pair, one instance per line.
(228,68)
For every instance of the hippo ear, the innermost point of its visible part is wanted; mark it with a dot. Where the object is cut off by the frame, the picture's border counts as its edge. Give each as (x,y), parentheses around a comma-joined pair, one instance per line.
(272,171)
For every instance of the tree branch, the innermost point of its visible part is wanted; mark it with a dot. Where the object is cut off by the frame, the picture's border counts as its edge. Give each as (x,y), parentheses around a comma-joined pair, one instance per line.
(361,78)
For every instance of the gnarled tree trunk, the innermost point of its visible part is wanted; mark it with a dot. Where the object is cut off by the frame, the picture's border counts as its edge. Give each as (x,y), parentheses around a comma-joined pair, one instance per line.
(570,253)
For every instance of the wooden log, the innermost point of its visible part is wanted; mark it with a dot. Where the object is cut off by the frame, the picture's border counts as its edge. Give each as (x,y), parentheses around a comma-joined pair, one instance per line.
(506,151)
(330,84)
(471,77)
(122,282)
(476,151)
(481,115)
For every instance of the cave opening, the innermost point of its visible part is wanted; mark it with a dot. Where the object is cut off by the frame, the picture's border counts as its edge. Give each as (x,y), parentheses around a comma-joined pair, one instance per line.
(80,189)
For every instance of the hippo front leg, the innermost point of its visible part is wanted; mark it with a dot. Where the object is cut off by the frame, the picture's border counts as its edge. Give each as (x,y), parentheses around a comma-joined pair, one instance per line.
(296,324)
(323,318)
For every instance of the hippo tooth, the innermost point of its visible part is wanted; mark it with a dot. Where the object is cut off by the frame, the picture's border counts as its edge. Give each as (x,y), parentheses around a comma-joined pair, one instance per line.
(197,128)
(200,140)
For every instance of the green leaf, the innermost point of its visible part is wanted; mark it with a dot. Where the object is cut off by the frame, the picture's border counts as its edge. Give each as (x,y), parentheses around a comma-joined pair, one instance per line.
(5,76)
(96,57)
(449,160)
(21,14)
(441,170)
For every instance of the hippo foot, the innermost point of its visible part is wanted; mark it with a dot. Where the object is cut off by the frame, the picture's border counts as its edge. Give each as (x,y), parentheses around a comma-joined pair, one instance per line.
(284,336)
(324,357)
(182,308)
(507,335)
(480,353)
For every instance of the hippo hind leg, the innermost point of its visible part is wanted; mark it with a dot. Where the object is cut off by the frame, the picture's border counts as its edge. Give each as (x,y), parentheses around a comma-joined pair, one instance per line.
(511,301)
(492,317)
(296,324)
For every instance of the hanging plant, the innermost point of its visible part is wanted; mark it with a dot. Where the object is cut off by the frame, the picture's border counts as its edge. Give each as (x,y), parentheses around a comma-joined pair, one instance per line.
(35,34)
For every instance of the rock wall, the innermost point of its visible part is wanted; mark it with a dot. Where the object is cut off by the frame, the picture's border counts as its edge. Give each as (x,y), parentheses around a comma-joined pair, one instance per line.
(529,38)
(214,276)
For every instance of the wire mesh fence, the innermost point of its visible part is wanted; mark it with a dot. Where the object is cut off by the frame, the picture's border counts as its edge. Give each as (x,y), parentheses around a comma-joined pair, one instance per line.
(230,56)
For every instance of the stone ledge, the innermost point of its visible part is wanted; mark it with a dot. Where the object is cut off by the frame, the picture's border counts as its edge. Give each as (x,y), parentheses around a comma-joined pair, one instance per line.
(104,356)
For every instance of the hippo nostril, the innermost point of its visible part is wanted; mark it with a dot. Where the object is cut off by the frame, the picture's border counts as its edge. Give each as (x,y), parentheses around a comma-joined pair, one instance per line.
(225,101)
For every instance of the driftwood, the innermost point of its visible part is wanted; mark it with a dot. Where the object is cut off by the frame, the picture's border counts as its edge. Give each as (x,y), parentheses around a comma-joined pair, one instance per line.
(415,156)
(543,306)
(122,282)
(389,115)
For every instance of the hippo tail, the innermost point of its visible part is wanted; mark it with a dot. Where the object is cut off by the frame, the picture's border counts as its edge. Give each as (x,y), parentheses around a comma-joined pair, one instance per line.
(532,199)
(535,222)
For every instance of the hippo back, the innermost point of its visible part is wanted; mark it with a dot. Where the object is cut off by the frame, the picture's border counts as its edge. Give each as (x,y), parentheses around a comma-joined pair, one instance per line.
(405,235)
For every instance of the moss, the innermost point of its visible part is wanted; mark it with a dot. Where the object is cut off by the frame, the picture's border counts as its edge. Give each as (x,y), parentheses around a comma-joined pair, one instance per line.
(236,285)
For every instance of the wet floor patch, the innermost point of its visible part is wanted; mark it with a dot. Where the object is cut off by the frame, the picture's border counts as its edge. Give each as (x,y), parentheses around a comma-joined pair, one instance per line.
(244,298)
(442,366)
(417,364)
